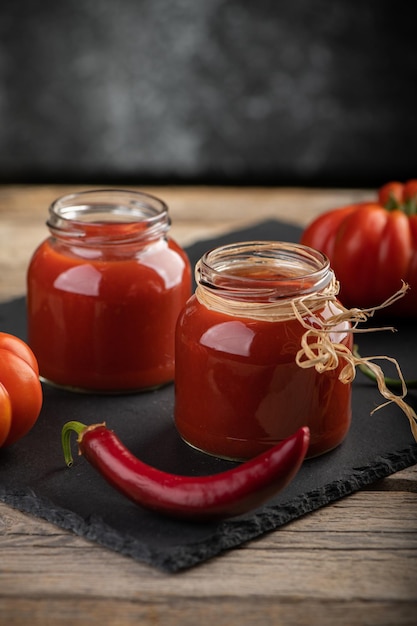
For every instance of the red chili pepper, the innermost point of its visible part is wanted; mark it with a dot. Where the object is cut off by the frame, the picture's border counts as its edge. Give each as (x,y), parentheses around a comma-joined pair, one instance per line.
(226,494)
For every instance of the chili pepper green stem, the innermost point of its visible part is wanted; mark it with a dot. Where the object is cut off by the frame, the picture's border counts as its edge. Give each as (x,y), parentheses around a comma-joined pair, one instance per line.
(392,383)
(67,429)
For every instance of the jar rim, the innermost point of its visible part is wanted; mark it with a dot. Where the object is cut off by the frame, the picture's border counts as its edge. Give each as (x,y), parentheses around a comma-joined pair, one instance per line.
(131,214)
(304,270)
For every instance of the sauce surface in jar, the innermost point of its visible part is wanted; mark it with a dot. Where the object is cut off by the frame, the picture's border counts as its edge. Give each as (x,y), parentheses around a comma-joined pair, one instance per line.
(238,387)
(104,293)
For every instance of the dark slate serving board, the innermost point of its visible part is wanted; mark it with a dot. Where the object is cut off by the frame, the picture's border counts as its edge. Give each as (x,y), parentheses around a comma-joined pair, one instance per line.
(34,479)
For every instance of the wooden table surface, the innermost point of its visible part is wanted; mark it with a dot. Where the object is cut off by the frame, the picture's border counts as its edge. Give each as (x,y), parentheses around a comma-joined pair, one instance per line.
(352,562)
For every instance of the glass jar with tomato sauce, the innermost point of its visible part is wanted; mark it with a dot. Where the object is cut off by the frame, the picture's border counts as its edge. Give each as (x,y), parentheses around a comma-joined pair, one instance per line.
(104,293)
(238,386)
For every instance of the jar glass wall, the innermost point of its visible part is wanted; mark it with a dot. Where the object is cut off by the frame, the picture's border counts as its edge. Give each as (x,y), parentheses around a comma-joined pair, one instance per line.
(238,386)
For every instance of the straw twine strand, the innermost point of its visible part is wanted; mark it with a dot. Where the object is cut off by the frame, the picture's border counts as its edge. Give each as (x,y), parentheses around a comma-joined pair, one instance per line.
(318,351)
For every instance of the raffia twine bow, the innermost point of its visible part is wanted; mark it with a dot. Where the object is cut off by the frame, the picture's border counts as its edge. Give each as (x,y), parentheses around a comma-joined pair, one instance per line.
(318,348)
(319,351)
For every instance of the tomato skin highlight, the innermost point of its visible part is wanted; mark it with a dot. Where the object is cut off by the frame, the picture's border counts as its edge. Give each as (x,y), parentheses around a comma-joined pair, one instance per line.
(323,229)
(20,348)
(372,248)
(5,414)
(20,389)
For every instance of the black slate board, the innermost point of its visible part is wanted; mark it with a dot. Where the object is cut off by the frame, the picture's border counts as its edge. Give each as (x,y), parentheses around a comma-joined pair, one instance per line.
(34,479)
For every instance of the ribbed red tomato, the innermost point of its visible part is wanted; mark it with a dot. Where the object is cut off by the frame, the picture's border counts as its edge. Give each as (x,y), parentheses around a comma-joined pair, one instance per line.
(372,247)
(20,389)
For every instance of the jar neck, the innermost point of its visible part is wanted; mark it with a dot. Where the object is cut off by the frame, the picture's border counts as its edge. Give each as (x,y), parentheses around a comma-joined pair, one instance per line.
(263,279)
(108,217)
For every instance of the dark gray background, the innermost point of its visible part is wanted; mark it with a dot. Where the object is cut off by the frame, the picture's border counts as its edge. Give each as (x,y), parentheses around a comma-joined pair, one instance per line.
(231,91)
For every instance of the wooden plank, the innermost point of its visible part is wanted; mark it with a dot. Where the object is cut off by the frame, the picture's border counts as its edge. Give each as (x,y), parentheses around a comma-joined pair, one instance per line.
(222,611)
(294,611)
(338,548)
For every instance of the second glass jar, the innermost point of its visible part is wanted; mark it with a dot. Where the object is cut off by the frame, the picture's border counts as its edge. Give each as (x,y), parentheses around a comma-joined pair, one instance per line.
(238,388)
(104,292)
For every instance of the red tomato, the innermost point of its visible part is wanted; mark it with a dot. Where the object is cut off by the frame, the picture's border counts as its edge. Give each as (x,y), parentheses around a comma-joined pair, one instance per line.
(410,191)
(372,247)
(391,195)
(20,389)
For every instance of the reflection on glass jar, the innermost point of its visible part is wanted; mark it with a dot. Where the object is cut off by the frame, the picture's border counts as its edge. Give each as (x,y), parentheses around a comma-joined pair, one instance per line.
(238,386)
(104,293)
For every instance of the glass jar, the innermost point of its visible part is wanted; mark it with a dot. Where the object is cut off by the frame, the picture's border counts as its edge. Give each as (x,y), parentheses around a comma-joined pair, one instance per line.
(239,386)
(104,293)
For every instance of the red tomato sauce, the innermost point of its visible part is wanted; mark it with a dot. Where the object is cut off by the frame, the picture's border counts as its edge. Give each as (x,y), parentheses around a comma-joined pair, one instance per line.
(101,320)
(239,390)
